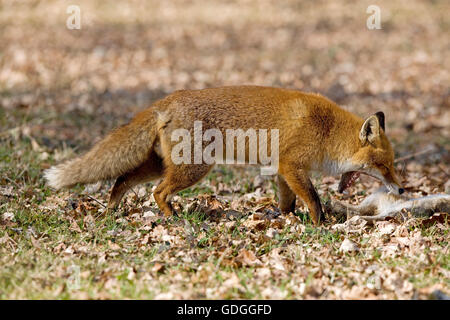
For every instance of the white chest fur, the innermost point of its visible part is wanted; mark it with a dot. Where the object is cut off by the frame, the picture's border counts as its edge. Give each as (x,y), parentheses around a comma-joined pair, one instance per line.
(334,167)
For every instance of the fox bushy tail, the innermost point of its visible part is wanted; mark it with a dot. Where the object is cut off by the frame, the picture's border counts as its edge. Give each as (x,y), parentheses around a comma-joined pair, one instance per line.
(122,150)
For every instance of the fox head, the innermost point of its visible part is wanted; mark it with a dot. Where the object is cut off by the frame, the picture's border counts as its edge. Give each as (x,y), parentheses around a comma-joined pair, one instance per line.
(375,156)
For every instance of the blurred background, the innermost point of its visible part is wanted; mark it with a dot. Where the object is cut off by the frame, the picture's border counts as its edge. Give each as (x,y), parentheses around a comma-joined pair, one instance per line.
(69,87)
(62,89)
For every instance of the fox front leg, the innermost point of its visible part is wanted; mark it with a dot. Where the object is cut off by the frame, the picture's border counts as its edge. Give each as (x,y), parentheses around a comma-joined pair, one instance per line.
(299,182)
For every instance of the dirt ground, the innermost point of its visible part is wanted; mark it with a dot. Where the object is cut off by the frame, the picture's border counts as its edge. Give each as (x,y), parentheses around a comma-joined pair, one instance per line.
(61,90)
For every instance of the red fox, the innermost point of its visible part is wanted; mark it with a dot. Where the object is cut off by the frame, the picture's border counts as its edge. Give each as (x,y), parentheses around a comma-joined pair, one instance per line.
(313,132)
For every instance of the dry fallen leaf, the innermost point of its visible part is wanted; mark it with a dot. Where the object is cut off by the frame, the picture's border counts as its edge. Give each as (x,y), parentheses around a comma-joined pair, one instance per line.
(158,267)
(247,258)
(348,246)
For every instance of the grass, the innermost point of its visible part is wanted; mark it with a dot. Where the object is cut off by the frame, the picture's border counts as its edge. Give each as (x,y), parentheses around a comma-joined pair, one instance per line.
(42,244)
(61,98)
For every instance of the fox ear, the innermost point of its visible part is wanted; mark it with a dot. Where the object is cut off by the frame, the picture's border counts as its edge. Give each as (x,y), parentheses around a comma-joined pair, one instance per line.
(380,116)
(370,130)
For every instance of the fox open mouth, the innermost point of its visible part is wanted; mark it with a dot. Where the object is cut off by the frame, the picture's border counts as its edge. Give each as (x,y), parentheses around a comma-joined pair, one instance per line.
(347,180)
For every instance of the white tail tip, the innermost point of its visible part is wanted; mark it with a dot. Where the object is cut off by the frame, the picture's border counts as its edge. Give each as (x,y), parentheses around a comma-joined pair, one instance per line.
(54,177)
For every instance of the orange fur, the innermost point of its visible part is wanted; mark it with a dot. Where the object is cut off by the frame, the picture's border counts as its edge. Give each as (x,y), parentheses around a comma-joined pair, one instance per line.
(314,134)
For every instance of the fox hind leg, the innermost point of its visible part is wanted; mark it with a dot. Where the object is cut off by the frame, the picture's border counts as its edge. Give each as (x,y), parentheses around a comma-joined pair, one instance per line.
(151,169)
(177,178)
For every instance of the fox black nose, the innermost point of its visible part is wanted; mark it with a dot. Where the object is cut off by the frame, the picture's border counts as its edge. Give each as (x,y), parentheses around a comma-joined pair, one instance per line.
(401,190)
